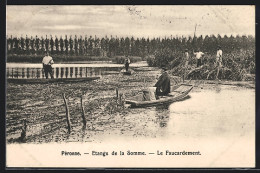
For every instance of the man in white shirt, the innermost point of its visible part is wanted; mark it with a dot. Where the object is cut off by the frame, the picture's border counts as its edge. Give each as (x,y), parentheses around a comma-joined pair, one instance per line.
(47,62)
(198,55)
(219,57)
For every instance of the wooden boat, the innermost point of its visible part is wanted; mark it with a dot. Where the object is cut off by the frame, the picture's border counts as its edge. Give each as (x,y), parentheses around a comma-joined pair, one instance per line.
(129,72)
(179,92)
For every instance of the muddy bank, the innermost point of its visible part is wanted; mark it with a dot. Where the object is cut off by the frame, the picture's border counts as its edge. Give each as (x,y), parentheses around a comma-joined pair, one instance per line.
(42,106)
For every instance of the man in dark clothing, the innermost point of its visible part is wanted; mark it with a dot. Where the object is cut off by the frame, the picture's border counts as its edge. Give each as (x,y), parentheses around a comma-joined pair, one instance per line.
(163,85)
(126,65)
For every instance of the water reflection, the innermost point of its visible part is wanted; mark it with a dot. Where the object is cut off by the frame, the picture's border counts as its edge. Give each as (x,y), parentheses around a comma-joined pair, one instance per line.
(162,115)
(217,88)
(205,113)
(214,111)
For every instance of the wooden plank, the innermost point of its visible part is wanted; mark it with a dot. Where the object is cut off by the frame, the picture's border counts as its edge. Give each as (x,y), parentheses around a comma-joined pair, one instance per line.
(64,80)
(23,74)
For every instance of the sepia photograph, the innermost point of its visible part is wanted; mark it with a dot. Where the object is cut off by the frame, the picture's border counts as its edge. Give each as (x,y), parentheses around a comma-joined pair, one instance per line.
(130,86)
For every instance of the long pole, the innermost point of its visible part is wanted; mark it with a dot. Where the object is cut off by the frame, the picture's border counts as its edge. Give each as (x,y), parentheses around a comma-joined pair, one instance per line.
(67,114)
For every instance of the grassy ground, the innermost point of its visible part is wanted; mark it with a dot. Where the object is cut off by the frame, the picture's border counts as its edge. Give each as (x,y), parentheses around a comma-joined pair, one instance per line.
(42,106)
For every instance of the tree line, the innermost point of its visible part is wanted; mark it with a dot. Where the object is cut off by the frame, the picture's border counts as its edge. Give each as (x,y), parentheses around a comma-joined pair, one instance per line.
(118,46)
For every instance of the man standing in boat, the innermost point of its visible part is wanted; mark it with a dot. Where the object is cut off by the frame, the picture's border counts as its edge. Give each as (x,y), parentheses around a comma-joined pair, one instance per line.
(126,65)
(163,85)
(47,62)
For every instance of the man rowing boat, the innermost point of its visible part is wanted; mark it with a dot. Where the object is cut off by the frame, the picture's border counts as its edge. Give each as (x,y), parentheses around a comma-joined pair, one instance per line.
(163,85)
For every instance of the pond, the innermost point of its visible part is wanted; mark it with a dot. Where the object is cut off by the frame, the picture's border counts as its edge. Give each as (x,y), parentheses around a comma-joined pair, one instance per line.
(217,111)
(216,121)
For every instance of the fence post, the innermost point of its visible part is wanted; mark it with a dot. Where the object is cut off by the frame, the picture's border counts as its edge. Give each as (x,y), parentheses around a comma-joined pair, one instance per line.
(23,133)
(23,73)
(66,72)
(116,93)
(83,112)
(17,72)
(57,72)
(76,72)
(61,72)
(80,71)
(38,73)
(71,72)
(28,73)
(43,73)
(67,114)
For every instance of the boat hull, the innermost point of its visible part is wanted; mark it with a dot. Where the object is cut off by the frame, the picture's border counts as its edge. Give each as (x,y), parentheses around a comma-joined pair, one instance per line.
(42,81)
(173,97)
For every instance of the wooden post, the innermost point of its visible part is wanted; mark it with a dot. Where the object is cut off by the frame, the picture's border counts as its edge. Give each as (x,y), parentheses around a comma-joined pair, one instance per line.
(123,100)
(83,112)
(32,72)
(23,73)
(66,72)
(91,73)
(43,75)
(59,75)
(67,114)
(57,72)
(120,99)
(17,72)
(116,93)
(80,71)
(86,72)
(71,72)
(38,73)
(61,72)
(23,133)
(28,73)
(76,72)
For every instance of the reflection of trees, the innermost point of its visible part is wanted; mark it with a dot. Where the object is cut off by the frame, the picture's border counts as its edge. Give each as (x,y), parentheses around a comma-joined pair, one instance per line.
(162,115)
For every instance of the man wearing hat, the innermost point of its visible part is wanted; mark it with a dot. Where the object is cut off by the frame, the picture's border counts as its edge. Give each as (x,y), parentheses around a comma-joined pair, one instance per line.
(163,86)
(219,56)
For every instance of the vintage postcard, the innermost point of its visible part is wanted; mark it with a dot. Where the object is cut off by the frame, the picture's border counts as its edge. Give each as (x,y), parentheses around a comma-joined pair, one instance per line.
(130,86)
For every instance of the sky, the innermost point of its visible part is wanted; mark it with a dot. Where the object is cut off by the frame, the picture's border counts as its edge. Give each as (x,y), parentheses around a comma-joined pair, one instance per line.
(137,21)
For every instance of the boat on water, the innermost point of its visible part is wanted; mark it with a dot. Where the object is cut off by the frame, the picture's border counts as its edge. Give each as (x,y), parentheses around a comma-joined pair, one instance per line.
(129,72)
(179,92)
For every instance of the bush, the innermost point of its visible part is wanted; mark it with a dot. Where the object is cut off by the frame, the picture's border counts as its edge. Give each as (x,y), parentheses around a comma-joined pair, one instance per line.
(165,57)
(236,66)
